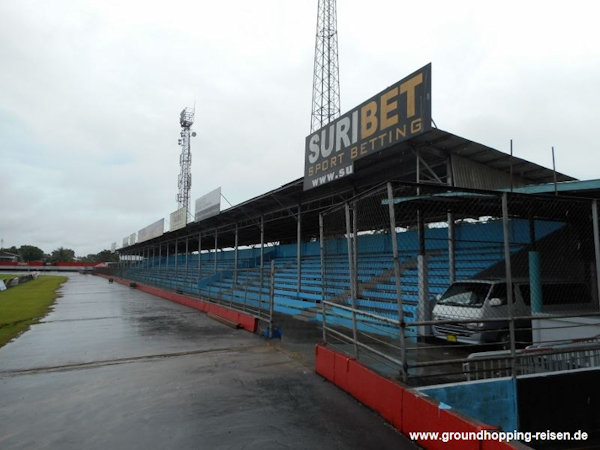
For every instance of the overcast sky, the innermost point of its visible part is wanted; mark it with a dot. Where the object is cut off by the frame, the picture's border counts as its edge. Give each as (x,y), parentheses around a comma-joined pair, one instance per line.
(90,95)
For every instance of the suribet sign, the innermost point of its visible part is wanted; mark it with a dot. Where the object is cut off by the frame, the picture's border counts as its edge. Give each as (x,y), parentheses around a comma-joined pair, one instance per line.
(396,114)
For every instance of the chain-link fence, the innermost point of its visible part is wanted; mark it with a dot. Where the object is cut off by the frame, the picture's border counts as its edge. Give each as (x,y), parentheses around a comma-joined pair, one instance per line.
(434,281)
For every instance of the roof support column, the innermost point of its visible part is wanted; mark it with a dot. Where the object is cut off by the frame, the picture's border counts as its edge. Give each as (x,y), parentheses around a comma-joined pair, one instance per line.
(596,244)
(176,256)
(355,245)
(235,256)
(199,255)
(322,255)
(352,277)
(216,247)
(509,284)
(167,259)
(397,275)
(299,249)
(186,255)
(425,306)
(451,248)
(262,256)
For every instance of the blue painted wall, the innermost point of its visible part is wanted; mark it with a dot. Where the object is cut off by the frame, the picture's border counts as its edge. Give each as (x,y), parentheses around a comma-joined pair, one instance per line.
(466,235)
(493,402)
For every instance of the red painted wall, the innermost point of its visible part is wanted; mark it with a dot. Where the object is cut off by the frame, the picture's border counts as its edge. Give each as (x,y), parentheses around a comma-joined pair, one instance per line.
(406,409)
(41,263)
(75,264)
(246,321)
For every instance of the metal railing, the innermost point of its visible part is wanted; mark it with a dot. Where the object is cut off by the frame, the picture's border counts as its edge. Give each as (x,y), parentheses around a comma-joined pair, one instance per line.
(253,296)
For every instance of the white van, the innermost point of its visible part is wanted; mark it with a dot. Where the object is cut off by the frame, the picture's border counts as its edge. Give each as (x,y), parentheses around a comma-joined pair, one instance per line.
(486,299)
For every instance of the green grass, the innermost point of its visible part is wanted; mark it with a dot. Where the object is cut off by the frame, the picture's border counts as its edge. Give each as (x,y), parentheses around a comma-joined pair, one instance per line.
(26,304)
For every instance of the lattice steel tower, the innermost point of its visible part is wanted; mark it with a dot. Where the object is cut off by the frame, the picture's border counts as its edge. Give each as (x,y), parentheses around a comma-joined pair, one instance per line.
(184,181)
(326,79)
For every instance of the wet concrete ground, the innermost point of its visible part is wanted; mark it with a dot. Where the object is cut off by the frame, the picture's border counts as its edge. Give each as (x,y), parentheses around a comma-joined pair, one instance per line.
(112,367)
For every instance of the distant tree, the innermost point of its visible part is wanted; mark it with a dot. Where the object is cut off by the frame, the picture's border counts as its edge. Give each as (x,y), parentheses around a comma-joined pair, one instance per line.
(30,253)
(62,254)
(14,250)
(107,256)
(89,258)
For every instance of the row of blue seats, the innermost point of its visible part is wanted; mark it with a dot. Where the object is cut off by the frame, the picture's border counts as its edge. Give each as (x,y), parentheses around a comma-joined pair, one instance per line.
(379,297)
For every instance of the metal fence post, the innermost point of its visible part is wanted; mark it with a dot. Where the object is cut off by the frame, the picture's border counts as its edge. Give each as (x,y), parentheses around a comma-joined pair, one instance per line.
(451,249)
(235,257)
(176,257)
(167,257)
(216,247)
(425,306)
(509,284)
(199,255)
(355,246)
(397,274)
(299,250)
(186,256)
(262,258)
(271,298)
(596,244)
(322,252)
(352,276)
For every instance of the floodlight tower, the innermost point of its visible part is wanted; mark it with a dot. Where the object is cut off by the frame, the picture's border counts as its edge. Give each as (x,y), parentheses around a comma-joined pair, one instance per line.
(326,78)
(184,181)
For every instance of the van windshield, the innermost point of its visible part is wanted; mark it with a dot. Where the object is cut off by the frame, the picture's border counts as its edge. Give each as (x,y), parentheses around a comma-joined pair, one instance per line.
(465,294)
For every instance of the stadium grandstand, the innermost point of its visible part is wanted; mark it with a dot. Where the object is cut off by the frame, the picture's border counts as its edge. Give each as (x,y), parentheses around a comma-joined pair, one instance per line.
(227,258)
(429,258)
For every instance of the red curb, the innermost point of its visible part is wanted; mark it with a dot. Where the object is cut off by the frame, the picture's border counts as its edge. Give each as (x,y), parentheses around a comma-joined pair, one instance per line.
(406,409)
(246,321)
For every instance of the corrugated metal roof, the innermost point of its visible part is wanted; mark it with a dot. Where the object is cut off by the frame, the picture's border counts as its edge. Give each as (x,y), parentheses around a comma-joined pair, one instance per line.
(495,159)
(584,188)
(395,163)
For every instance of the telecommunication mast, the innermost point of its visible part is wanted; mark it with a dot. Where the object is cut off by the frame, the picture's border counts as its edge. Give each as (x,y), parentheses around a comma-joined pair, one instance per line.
(184,181)
(326,78)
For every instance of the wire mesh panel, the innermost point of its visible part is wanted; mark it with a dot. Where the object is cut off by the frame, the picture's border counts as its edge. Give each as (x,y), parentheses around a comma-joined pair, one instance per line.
(360,291)
(555,270)
(477,272)
(338,283)
(243,277)
(429,282)
(373,259)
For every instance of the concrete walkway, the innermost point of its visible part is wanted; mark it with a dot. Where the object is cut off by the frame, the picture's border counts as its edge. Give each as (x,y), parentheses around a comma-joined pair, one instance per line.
(114,368)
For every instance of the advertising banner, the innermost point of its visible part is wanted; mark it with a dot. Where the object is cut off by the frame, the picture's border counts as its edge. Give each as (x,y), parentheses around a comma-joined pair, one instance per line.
(151,231)
(396,114)
(208,205)
(178,219)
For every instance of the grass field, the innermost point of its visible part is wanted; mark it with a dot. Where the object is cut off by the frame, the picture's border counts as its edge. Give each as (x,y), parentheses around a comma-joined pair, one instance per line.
(26,304)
